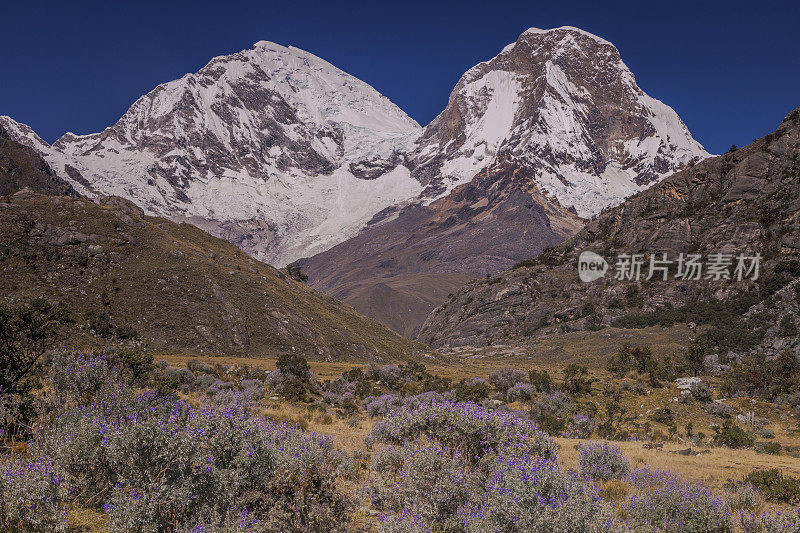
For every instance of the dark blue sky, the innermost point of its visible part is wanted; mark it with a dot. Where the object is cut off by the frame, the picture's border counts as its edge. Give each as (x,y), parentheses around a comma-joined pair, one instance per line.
(731,70)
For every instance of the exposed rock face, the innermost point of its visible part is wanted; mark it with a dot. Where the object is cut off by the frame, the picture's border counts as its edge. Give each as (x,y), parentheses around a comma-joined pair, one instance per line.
(745,201)
(257,146)
(562,104)
(22,167)
(553,127)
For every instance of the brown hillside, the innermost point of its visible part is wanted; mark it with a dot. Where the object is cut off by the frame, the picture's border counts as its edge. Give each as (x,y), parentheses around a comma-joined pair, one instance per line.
(173,286)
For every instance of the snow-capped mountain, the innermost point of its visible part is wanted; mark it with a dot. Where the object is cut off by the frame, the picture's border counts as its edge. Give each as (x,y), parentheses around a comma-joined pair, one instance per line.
(272,148)
(283,154)
(562,103)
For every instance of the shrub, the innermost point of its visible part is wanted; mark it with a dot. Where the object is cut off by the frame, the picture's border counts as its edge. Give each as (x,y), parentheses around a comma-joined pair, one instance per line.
(557,404)
(621,363)
(576,380)
(742,496)
(431,481)
(32,496)
(540,380)
(465,427)
(701,391)
(719,409)
(520,392)
(76,376)
(775,486)
(580,427)
(781,521)
(27,331)
(770,448)
(390,375)
(137,364)
(167,462)
(532,494)
(293,365)
(474,390)
(732,436)
(663,415)
(603,461)
(767,433)
(381,405)
(505,378)
(665,503)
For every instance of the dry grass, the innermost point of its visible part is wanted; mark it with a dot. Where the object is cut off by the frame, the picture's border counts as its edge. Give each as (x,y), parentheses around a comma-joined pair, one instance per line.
(327,423)
(713,468)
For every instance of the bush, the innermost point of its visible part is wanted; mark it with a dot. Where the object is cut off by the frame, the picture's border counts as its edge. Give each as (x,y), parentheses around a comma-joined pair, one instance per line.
(742,496)
(701,391)
(663,415)
(770,448)
(381,405)
(540,380)
(602,461)
(32,496)
(781,521)
(167,462)
(775,486)
(505,378)
(580,427)
(532,494)
(27,331)
(665,503)
(433,488)
(732,436)
(431,481)
(474,390)
(520,392)
(465,427)
(78,377)
(719,409)
(293,365)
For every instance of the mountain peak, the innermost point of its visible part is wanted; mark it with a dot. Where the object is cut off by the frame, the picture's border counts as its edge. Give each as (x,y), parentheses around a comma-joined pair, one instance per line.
(561,31)
(566,29)
(563,104)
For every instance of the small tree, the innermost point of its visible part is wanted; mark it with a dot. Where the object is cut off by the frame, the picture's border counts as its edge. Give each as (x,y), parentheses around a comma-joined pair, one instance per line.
(137,364)
(293,365)
(575,379)
(785,375)
(695,359)
(541,380)
(620,364)
(27,331)
(296,272)
(642,356)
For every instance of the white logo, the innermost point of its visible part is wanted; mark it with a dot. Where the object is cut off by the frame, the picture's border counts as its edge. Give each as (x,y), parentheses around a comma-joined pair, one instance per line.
(591,266)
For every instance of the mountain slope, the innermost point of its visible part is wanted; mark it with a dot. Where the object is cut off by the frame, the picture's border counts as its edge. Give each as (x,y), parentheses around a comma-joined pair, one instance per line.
(746,201)
(177,288)
(551,128)
(272,148)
